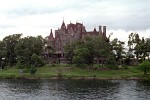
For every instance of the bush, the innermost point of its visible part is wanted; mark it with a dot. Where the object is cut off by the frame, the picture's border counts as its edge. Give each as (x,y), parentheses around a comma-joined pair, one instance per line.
(111,64)
(125,67)
(37,61)
(144,66)
(20,65)
(53,65)
(33,70)
(59,75)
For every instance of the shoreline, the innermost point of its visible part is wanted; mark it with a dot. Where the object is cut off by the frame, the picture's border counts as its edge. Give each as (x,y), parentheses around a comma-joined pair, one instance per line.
(75,73)
(36,77)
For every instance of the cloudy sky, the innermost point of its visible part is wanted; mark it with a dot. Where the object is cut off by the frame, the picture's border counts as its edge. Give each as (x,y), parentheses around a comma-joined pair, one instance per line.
(37,17)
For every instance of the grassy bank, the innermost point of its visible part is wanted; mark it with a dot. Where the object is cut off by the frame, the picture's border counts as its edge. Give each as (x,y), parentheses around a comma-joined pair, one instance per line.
(71,72)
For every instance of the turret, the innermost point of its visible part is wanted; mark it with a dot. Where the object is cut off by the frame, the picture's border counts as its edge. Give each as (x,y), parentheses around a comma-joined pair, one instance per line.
(51,37)
(63,26)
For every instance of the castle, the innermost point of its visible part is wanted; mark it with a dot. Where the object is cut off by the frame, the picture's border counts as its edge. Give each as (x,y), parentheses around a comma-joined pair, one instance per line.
(68,33)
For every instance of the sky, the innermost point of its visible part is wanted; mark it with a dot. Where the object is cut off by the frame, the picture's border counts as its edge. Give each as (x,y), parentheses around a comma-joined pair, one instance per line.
(37,17)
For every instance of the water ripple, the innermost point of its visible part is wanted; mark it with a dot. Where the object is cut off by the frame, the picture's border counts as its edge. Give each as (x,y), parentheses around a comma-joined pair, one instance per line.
(74,90)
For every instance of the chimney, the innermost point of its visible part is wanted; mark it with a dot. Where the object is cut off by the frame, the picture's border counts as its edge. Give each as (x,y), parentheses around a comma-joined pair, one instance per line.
(104,31)
(100,30)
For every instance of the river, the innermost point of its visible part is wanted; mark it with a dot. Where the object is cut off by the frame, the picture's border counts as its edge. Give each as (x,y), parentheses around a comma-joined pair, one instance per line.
(74,89)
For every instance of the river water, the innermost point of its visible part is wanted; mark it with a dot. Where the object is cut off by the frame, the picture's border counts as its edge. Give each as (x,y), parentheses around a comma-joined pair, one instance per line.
(74,89)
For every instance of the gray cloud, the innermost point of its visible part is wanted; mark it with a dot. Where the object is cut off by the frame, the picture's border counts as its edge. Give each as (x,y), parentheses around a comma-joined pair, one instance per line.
(123,14)
(116,14)
(32,10)
(7,26)
(38,9)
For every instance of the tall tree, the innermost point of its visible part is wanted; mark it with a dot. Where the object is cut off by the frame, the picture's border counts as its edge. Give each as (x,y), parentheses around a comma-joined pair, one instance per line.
(10,43)
(134,44)
(118,49)
(2,54)
(102,49)
(147,44)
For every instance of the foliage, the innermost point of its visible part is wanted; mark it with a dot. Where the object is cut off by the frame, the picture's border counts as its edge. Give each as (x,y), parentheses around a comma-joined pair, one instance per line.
(69,51)
(80,57)
(20,65)
(37,61)
(10,43)
(27,51)
(138,46)
(16,50)
(144,66)
(33,70)
(28,47)
(111,63)
(118,49)
(50,51)
(2,54)
(84,51)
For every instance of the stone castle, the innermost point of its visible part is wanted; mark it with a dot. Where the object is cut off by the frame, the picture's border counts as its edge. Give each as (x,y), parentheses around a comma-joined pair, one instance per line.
(70,32)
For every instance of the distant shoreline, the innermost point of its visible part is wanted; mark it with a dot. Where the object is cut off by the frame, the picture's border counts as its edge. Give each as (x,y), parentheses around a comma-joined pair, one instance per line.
(36,77)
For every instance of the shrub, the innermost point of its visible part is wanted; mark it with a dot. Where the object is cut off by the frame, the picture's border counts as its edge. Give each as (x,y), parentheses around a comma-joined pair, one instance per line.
(125,67)
(20,65)
(53,65)
(144,66)
(37,61)
(111,64)
(59,75)
(33,70)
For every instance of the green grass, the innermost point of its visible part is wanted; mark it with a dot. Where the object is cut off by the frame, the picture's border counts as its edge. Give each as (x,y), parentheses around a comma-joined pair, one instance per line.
(66,71)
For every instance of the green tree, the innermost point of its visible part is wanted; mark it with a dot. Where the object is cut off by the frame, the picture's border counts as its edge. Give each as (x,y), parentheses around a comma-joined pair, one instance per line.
(80,57)
(28,46)
(84,52)
(131,42)
(147,44)
(138,47)
(102,49)
(143,48)
(37,61)
(118,49)
(49,51)
(10,43)
(69,51)
(2,54)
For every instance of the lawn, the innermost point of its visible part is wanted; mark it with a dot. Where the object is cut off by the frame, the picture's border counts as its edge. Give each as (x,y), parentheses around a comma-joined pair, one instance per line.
(67,71)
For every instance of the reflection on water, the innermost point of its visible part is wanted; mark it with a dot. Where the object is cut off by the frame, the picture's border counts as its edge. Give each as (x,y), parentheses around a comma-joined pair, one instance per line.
(74,90)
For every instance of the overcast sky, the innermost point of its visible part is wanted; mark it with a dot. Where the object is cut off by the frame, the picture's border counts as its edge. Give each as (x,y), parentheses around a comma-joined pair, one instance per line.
(37,17)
